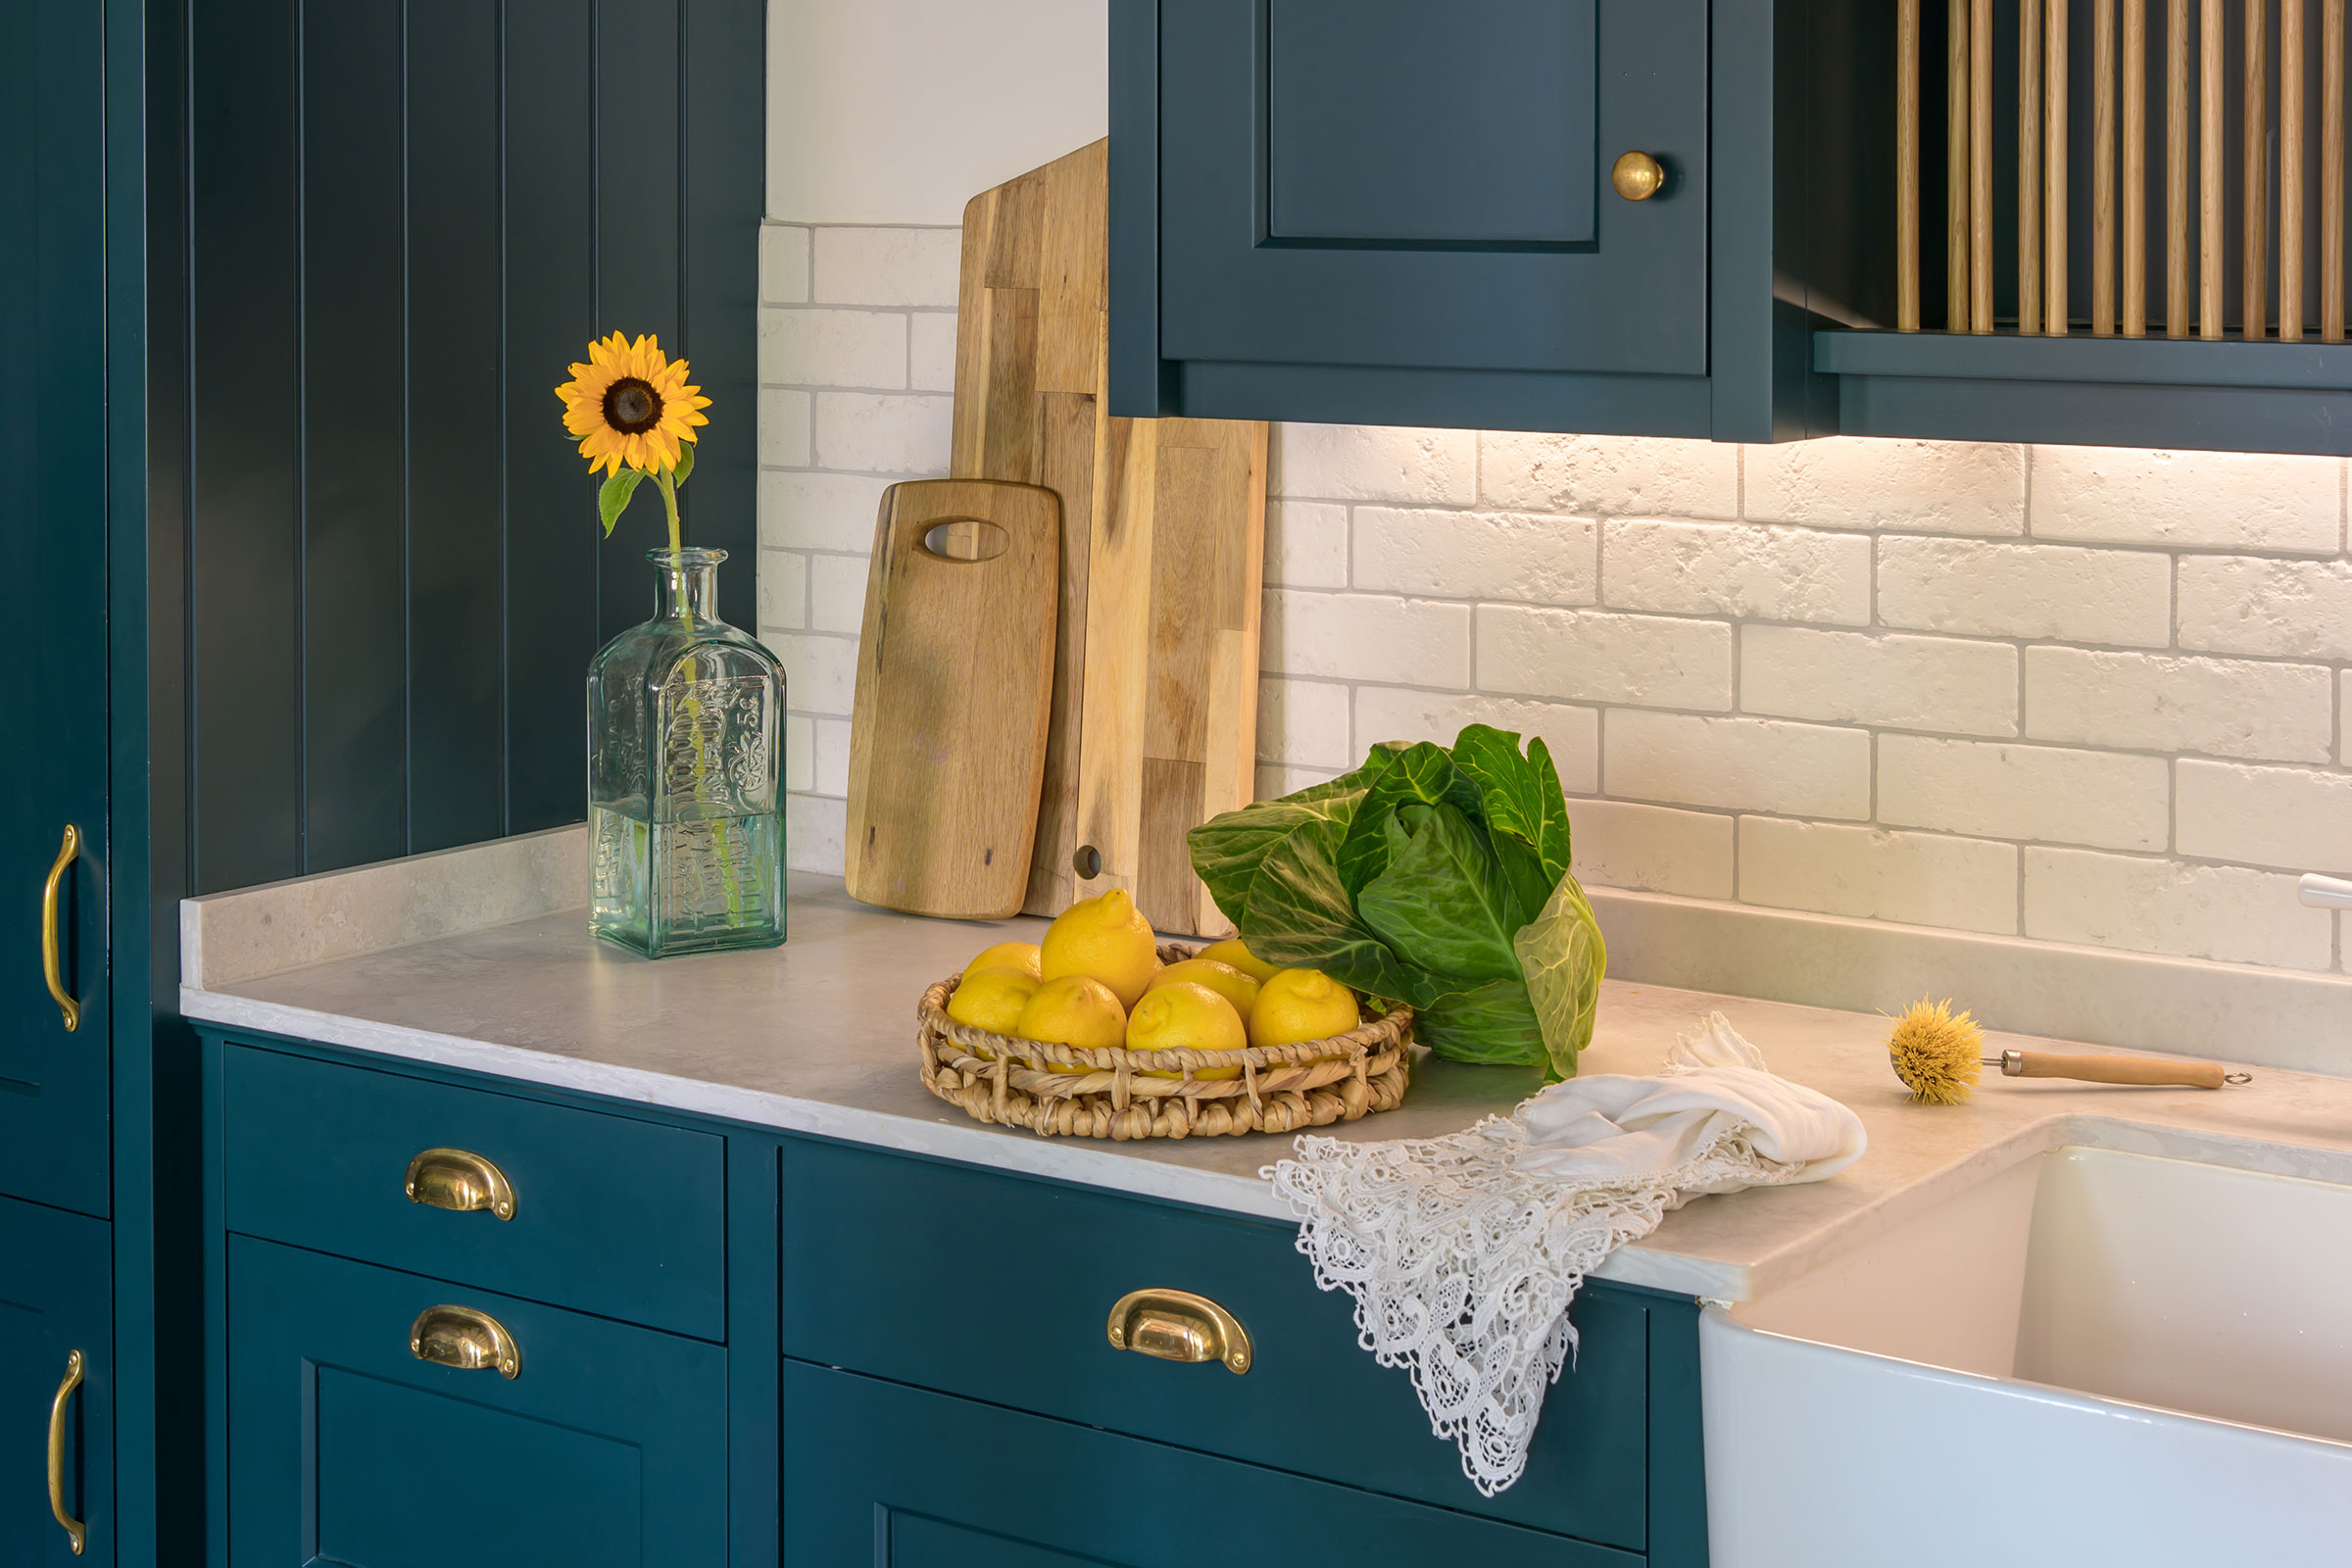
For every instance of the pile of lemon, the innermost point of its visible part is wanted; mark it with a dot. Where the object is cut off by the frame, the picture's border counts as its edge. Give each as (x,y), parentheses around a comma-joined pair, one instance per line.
(1096,981)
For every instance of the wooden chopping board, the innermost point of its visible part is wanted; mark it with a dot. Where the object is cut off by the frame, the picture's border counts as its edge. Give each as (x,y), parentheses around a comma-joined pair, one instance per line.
(1154,726)
(954,684)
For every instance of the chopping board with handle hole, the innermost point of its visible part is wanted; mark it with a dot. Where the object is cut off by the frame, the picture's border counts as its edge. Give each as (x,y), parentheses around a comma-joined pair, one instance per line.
(1154,716)
(955,687)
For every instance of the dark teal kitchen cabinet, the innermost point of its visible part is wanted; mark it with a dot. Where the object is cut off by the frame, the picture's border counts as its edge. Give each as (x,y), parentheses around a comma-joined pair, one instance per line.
(355,1438)
(902,1478)
(57,1387)
(1385,212)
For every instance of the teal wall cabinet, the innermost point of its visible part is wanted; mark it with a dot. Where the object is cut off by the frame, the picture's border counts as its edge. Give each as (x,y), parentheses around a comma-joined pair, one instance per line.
(56,1313)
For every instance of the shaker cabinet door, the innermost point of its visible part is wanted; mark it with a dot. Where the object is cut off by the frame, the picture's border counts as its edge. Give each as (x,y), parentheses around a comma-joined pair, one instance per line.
(1398,184)
(54,1095)
(56,1305)
(608,1448)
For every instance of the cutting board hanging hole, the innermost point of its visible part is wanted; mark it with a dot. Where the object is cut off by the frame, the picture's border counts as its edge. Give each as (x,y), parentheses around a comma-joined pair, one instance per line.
(1086,863)
(967,539)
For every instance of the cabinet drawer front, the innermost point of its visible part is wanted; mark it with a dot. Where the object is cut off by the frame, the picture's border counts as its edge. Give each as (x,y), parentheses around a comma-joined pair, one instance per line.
(876,1472)
(608,1449)
(612,1215)
(999,1287)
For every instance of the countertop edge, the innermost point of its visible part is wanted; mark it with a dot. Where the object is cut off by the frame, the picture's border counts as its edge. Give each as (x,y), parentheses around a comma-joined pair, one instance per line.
(1056,1160)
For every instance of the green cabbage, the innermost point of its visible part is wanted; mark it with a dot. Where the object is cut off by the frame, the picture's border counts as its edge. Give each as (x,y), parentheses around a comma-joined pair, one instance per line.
(1432,877)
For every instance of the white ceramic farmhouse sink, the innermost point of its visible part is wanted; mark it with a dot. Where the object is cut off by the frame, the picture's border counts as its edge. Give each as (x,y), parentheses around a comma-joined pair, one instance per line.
(2090,1357)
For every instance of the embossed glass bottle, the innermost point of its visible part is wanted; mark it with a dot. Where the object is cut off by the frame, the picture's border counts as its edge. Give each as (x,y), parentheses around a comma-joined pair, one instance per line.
(685,763)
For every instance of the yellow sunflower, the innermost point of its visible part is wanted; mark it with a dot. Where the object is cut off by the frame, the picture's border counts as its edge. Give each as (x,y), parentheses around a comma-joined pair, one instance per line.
(630,404)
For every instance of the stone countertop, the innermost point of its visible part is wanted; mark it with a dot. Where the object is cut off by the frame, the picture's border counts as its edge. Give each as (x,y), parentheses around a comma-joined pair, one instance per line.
(818,1036)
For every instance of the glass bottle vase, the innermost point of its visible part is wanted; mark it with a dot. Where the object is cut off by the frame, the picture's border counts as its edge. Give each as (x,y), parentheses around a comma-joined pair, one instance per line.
(685,763)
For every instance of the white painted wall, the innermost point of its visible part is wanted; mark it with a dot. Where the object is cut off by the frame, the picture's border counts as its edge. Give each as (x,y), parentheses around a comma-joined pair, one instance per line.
(901,110)
(2067,694)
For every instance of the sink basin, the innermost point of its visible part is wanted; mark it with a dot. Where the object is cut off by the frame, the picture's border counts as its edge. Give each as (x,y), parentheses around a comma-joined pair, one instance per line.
(2090,1356)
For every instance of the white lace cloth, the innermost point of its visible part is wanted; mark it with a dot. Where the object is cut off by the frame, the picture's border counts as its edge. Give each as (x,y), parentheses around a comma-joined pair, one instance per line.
(1463,1252)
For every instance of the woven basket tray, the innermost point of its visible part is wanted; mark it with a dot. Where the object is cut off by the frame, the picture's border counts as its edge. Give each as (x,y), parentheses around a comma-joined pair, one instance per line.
(1000,1078)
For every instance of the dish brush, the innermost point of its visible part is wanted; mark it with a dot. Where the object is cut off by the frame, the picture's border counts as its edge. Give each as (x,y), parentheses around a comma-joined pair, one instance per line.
(1939,1055)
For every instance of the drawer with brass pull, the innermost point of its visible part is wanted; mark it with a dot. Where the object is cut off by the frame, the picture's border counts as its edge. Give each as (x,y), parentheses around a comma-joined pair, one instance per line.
(1192,1328)
(598,1212)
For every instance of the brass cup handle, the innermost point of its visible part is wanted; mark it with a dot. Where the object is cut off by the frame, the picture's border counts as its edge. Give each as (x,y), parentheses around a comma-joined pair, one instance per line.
(1638,176)
(52,969)
(461,1180)
(466,1337)
(77,1535)
(1179,1326)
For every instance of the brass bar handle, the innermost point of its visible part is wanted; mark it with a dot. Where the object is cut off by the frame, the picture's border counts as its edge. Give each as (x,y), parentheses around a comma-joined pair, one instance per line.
(466,1337)
(1179,1326)
(52,969)
(77,1534)
(459,1180)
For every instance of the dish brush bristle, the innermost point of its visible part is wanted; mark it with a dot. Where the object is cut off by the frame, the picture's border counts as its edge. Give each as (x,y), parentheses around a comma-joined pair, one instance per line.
(1936,1053)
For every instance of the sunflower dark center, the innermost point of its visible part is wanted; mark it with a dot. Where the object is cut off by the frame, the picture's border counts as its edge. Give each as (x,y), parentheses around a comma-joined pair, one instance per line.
(631,406)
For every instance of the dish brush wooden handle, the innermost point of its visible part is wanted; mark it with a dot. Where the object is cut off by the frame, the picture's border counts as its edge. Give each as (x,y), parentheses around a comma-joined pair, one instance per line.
(2114,1069)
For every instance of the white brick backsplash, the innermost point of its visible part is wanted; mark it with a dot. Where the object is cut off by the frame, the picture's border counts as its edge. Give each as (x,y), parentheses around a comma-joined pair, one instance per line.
(831,765)
(931,351)
(808,347)
(2344,720)
(1474,555)
(1303,723)
(1878,874)
(1366,637)
(2023,792)
(1571,734)
(815,828)
(1655,849)
(800,747)
(819,511)
(1306,544)
(783,263)
(820,673)
(783,428)
(1729,569)
(1940,683)
(2223,706)
(886,266)
(1367,462)
(883,434)
(2223,912)
(2228,500)
(783,591)
(1738,763)
(2288,818)
(2017,590)
(2293,609)
(1617,475)
(1863,482)
(836,593)
(1274,782)
(1590,656)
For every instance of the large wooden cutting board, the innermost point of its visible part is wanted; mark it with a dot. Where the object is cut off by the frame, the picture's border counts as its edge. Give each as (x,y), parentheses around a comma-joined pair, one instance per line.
(955,675)
(1154,727)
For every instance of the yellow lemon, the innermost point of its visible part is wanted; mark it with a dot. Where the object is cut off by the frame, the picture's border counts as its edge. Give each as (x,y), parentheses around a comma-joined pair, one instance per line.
(1183,1015)
(1103,938)
(1222,978)
(1233,954)
(1018,956)
(992,1000)
(1073,1011)
(1301,1005)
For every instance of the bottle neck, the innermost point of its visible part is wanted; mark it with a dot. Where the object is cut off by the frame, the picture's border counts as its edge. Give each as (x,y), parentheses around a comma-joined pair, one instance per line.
(688,583)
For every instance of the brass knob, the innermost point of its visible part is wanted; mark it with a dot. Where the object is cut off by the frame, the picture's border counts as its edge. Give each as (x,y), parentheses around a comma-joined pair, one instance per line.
(466,1337)
(1638,176)
(458,1179)
(1179,1326)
